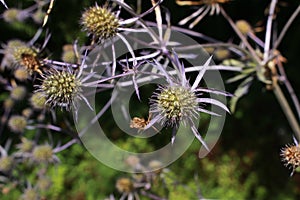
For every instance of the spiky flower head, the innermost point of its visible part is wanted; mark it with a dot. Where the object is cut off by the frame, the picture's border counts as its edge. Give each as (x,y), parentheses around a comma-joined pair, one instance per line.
(27,112)
(8,59)
(8,103)
(243,26)
(6,163)
(27,57)
(18,93)
(38,16)
(100,22)
(26,145)
(11,15)
(68,54)
(17,123)
(38,100)
(290,155)
(21,74)
(43,153)
(124,185)
(60,88)
(174,104)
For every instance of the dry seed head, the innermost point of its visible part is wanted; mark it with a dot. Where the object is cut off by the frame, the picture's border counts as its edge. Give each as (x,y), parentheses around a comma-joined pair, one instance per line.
(43,153)
(100,22)
(18,93)
(124,185)
(174,104)
(17,123)
(38,100)
(291,156)
(6,163)
(243,26)
(60,88)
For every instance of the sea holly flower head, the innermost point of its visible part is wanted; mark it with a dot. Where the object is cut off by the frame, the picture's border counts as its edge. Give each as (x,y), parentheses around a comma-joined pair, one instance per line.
(181,102)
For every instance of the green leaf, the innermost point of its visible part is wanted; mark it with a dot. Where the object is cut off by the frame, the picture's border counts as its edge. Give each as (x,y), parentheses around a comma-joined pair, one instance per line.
(242,90)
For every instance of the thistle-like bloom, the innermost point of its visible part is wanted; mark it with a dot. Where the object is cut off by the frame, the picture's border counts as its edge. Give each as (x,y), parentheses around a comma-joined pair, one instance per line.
(179,102)
(60,88)
(290,155)
(211,6)
(19,54)
(100,22)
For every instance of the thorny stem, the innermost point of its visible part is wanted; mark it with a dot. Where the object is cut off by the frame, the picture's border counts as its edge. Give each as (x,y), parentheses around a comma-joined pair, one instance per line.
(286,109)
(269,31)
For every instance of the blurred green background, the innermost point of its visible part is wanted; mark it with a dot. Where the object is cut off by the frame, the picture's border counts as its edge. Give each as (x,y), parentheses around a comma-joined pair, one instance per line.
(245,163)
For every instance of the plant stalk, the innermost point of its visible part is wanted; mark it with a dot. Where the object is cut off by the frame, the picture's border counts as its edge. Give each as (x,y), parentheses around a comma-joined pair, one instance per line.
(287,110)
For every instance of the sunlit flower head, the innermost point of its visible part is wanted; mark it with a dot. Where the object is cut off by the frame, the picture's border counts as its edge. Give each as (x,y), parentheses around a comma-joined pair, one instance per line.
(100,22)
(290,155)
(181,102)
(207,6)
(60,88)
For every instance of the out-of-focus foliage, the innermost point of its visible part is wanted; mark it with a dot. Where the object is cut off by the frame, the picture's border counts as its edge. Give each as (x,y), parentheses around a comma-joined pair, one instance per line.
(244,165)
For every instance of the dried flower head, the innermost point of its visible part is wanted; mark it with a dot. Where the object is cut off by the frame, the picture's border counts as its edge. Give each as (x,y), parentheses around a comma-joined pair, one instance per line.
(100,22)
(60,88)
(6,163)
(17,123)
(124,185)
(43,153)
(18,93)
(291,156)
